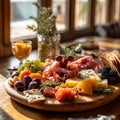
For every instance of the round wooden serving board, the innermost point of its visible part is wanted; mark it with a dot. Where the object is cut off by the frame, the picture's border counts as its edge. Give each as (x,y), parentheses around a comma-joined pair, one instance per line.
(80,104)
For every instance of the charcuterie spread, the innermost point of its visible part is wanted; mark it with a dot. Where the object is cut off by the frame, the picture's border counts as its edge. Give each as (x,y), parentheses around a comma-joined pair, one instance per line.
(64,79)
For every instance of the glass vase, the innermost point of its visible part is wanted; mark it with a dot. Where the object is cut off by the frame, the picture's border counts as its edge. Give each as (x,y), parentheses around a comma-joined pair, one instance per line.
(48,46)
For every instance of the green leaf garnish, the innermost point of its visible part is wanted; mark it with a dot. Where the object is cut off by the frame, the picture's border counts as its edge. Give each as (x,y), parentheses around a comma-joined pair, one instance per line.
(68,51)
(102,91)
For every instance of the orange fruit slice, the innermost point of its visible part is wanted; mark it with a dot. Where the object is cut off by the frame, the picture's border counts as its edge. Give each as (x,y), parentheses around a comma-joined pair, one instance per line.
(36,75)
(23,73)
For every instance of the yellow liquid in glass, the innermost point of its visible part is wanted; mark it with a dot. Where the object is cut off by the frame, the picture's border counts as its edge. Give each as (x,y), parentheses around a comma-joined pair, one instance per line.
(21,50)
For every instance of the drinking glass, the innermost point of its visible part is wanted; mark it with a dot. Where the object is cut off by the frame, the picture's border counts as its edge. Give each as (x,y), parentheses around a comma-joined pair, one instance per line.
(21,49)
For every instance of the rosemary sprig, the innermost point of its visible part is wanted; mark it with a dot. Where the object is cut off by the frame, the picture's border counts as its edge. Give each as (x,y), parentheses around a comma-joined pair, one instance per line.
(68,51)
(45,21)
(102,91)
(47,84)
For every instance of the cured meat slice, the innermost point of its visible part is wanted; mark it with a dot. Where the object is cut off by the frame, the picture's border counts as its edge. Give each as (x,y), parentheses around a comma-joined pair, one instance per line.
(84,63)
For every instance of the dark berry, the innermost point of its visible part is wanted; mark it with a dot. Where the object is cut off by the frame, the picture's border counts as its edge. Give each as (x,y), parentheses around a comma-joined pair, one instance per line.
(104,72)
(70,58)
(113,72)
(112,80)
(103,77)
(107,68)
(64,63)
(59,58)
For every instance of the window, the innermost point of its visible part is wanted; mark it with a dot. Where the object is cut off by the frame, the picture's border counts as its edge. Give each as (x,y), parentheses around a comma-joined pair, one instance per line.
(117,10)
(82,12)
(101,12)
(75,18)
(21,10)
(60,8)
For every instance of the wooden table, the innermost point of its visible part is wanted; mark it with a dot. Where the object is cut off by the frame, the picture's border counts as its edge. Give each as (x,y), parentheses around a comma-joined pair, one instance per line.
(12,110)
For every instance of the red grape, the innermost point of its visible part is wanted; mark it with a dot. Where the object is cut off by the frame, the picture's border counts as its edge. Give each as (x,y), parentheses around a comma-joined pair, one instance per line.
(70,58)
(64,63)
(59,58)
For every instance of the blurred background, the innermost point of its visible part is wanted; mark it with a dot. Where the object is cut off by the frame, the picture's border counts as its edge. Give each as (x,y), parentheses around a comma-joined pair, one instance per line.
(75,18)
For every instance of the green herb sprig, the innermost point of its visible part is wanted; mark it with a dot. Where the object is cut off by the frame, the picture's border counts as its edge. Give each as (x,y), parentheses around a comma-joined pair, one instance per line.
(68,51)
(47,84)
(102,91)
(45,21)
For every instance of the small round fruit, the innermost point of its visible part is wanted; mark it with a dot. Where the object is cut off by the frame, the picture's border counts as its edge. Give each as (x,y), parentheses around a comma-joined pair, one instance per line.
(19,86)
(33,85)
(112,72)
(37,80)
(104,71)
(70,58)
(64,63)
(26,80)
(59,58)
(112,80)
